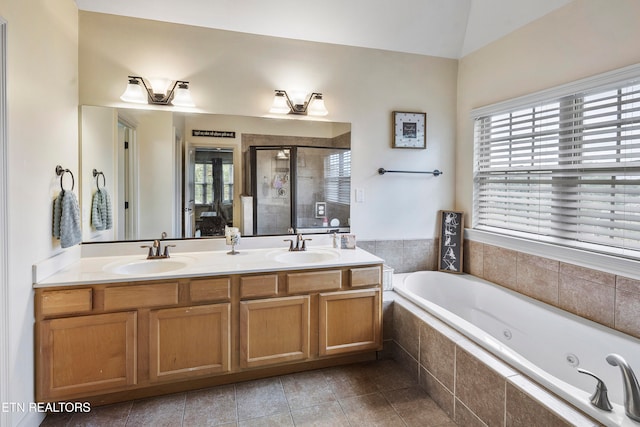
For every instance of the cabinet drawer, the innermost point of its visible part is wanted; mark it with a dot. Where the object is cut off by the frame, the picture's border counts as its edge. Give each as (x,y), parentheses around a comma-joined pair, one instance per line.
(259,286)
(66,301)
(210,289)
(366,276)
(328,280)
(138,296)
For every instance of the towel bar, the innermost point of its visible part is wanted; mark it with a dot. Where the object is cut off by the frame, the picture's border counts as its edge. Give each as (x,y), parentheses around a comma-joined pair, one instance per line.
(436,172)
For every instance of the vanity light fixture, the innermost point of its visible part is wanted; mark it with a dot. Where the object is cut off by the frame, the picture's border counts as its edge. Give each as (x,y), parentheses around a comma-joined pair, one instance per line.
(158,92)
(313,105)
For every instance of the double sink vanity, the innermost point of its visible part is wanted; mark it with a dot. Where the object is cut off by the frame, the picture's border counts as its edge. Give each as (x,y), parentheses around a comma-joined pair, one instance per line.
(118,327)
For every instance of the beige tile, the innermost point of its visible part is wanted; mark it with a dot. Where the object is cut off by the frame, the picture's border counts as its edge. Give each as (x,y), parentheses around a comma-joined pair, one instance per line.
(370,410)
(537,277)
(391,252)
(627,306)
(60,419)
(415,407)
(406,328)
(439,393)
(499,265)
(465,417)
(387,320)
(418,255)
(306,389)
(158,411)
(589,274)
(473,258)
(110,415)
(347,381)
(437,355)
(480,388)
(325,415)
(587,299)
(210,407)
(394,380)
(282,419)
(521,410)
(405,360)
(260,398)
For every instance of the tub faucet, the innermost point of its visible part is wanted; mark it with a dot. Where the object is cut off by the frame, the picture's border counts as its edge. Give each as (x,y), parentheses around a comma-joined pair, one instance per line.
(630,384)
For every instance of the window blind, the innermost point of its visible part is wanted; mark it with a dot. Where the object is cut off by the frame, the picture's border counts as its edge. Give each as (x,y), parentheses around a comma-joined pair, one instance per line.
(337,177)
(566,170)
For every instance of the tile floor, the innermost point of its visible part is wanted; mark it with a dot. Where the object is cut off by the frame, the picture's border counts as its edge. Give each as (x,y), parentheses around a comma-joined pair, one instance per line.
(377,393)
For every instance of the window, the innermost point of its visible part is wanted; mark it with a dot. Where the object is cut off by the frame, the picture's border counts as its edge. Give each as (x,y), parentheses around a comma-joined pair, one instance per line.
(565,170)
(204,183)
(337,177)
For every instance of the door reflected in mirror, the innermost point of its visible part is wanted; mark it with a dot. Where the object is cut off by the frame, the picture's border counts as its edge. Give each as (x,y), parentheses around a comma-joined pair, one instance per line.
(165,175)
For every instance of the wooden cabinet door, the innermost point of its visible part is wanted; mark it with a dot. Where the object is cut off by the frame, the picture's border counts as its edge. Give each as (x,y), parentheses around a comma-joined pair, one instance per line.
(350,321)
(86,355)
(189,341)
(274,330)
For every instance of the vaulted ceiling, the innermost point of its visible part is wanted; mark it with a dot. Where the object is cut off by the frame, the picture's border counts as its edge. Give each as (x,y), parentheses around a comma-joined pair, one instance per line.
(445,28)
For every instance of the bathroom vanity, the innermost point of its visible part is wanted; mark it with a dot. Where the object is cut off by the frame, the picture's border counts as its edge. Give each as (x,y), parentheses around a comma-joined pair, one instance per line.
(109,329)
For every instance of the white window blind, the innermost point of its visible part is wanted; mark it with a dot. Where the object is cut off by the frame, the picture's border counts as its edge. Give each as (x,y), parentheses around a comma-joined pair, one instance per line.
(565,170)
(337,177)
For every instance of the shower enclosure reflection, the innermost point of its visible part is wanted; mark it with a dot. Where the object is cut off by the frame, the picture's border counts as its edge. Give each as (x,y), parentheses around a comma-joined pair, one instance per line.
(306,189)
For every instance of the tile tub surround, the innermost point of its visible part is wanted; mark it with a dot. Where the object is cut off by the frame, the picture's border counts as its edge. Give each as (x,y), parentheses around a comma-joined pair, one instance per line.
(605,298)
(372,393)
(472,386)
(405,256)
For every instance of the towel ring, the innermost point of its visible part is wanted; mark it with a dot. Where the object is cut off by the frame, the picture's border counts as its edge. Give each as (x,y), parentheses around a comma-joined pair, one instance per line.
(96,175)
(60,171)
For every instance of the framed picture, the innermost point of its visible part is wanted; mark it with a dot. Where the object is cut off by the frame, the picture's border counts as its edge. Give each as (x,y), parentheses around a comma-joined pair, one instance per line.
(451,233)
(409,130)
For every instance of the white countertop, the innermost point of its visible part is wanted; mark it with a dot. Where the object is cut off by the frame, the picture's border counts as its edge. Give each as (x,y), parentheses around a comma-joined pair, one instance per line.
(103,269)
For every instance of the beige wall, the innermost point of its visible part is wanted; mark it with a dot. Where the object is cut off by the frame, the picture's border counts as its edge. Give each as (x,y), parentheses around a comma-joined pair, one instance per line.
(584,38)
(236,73)
(42,105)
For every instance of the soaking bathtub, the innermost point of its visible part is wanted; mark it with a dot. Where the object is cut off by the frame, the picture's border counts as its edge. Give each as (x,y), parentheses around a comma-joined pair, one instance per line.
(545,343)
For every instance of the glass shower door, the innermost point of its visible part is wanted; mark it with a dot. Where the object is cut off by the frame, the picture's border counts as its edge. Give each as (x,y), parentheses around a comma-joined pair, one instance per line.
(272,190)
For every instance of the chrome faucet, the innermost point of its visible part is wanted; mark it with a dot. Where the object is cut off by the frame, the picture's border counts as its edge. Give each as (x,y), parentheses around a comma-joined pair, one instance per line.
(155,250)
(631,387)
(299,240)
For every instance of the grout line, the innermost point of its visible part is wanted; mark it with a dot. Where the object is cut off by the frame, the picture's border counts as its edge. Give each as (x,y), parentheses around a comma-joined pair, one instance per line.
(235,401)
(184,408)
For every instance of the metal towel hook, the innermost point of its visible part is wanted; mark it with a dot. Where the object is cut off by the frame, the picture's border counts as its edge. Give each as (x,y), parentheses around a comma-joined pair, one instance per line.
(60,171)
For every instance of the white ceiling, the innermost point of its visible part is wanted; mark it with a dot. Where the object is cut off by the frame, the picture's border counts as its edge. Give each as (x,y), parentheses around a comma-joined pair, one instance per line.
(445,28)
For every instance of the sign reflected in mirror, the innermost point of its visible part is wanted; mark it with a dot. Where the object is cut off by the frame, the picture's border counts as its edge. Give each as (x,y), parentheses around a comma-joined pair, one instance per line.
(164,177)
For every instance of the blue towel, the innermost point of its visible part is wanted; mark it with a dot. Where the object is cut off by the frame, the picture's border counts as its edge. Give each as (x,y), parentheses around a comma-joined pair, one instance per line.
(101,215)
(66,219)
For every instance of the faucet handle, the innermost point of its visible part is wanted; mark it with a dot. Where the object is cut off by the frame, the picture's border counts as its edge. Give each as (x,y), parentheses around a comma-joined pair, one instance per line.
(166,250)
(600,398)
(290,244)
(304,244)
(150,254)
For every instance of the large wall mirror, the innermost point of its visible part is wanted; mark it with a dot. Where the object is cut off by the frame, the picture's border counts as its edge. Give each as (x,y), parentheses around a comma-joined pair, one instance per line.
(189,174)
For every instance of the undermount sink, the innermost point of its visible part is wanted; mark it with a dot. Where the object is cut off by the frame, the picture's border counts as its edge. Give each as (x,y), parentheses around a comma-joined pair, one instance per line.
(148,266)
(305,257)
